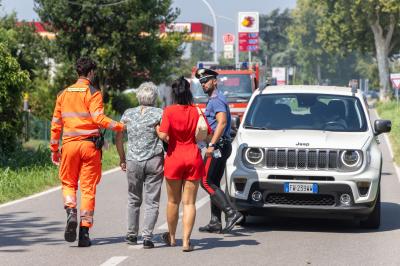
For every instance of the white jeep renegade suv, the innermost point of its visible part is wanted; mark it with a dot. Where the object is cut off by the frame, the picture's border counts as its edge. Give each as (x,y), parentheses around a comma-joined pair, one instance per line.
(307,151)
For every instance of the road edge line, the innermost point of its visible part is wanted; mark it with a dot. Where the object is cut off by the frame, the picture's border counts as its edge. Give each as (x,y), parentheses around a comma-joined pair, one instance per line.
(51,190)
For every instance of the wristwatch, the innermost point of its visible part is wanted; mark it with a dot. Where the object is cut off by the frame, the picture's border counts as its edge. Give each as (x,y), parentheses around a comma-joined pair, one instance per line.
(211,145)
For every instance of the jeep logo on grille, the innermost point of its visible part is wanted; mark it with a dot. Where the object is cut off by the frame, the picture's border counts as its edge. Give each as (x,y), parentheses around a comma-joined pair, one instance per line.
(303,144)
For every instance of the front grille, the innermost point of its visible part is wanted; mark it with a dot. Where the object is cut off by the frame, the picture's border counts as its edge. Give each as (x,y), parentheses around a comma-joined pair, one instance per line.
(302,158)
(300,199)
(307,178)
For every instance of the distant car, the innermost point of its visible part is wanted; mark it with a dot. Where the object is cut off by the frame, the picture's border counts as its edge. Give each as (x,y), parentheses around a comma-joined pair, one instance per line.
(371,94)
(307,151)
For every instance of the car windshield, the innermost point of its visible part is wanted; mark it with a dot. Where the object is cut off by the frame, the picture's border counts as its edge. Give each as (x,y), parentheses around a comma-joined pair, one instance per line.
(306,111)
(235,87)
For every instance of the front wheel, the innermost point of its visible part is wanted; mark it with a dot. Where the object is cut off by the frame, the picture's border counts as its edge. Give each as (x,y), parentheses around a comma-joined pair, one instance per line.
(374,219)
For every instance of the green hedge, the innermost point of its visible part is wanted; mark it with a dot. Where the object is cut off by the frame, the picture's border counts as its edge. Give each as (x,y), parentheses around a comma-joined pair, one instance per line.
(30,170)
(391,111)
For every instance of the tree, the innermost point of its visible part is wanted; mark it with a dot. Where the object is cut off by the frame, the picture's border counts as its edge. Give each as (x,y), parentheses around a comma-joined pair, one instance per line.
(273,34)
(32,53)
(124,38)
(12,82)
(368,26)
(30,49)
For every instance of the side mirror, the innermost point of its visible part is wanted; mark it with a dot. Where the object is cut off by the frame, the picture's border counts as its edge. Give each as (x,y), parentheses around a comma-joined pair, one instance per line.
(235,122)
(382,126)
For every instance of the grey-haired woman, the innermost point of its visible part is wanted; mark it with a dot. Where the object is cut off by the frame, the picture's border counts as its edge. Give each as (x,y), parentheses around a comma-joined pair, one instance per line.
(143,163)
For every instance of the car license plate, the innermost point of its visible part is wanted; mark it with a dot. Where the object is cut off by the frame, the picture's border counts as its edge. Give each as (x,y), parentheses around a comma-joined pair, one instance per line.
(300,188)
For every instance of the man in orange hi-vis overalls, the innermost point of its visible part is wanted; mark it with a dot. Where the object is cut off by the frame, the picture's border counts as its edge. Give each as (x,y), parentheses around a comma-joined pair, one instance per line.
(79,115)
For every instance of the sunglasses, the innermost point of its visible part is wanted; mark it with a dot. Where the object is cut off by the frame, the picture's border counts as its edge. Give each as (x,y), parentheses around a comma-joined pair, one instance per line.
(205,80)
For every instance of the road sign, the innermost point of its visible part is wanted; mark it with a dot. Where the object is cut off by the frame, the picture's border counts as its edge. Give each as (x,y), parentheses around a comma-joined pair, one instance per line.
(229,38)
(395,78)
(228,54)
(228,48)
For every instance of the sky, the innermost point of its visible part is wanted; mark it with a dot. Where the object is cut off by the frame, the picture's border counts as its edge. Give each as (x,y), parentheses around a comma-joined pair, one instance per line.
(191,11)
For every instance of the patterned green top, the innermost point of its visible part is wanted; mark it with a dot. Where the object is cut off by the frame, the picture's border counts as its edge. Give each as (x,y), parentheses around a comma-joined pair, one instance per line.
(143,142)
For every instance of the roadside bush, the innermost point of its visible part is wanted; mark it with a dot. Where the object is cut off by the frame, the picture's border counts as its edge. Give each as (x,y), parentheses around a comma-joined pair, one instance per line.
(28,171)
(390,110)
(12,83)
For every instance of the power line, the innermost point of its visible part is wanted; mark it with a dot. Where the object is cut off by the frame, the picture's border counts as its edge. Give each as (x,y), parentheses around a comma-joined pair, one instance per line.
(92,4)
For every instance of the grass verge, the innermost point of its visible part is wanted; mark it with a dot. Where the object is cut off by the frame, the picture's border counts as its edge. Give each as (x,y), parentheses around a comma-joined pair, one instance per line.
(391,111)
(30,170)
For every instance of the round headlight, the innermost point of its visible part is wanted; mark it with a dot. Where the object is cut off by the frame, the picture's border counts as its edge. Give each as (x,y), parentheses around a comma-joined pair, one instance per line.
(351,158)
(254,155)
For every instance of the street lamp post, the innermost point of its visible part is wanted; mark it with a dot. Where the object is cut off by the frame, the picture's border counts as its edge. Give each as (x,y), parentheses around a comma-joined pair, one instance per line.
(215,29)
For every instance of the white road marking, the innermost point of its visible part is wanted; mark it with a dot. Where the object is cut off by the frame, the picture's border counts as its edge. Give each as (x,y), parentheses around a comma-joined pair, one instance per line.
(114,261)
(49,191)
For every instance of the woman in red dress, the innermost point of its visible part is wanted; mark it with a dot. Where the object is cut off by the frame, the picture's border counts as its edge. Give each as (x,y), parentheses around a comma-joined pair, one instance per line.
(183,167)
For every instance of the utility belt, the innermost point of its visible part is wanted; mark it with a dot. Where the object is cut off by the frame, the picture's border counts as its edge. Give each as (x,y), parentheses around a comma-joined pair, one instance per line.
(222,142)
(97,140)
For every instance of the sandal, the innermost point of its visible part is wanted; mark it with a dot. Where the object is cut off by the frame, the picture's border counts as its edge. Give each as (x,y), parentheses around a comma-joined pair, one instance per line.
(167,239)
(188,248)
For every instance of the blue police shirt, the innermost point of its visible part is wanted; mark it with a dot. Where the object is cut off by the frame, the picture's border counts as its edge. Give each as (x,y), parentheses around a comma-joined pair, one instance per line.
(217,103)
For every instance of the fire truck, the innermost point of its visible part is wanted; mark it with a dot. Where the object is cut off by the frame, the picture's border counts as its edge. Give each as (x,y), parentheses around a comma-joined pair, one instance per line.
(236,84)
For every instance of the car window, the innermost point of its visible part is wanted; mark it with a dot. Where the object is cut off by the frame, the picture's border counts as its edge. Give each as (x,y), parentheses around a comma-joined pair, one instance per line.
(306,111)
(232,86)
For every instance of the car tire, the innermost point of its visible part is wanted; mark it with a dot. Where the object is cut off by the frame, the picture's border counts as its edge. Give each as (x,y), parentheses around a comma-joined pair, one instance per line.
(373,220)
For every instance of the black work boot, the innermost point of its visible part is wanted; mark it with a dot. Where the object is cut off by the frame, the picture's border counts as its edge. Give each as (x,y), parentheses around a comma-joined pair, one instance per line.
(147,244)
(232,216)
(214,226)
(84,240)
(72,224)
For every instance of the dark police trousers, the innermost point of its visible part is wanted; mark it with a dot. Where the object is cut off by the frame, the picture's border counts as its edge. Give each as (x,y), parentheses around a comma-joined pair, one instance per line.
(214,171)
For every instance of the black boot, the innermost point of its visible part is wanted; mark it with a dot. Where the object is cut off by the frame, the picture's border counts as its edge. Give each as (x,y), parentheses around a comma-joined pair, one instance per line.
(72,224)
(84,240)
(214,226)
(232,216)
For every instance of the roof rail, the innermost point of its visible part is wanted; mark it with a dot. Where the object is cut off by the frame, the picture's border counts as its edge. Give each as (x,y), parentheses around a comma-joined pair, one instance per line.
(353,84)
(268,82)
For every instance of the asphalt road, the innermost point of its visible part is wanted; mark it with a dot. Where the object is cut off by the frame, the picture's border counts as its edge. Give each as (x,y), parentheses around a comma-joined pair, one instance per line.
(31,233)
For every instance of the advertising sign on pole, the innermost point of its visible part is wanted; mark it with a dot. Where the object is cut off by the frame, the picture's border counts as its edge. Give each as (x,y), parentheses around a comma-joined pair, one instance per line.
(248,22)
(280,74)
(248,42)
(248,27)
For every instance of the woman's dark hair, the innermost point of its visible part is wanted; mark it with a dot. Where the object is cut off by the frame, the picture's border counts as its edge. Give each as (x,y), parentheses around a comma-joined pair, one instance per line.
(181,93)
(84,65)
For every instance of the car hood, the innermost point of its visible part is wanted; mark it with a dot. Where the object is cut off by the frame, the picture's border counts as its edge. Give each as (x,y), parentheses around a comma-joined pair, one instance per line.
(303,139)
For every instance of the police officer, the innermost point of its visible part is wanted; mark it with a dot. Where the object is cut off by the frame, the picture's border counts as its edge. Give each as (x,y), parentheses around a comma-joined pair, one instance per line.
(79,115)
(218,151)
